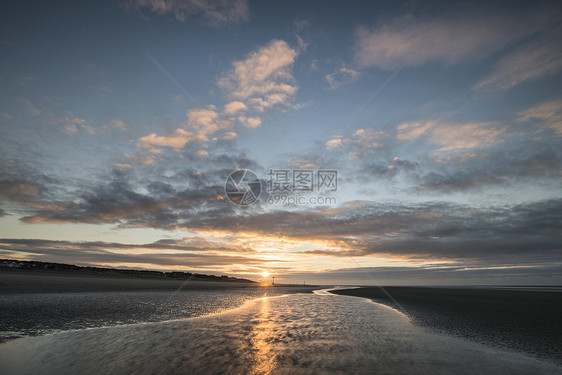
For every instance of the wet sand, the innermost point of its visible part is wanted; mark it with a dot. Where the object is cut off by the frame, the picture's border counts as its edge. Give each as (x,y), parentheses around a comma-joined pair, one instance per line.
(64,282)
(36,303)
(291,334)
(527,321)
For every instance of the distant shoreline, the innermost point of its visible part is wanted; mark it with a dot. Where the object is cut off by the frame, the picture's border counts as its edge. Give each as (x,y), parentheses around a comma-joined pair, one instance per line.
(24,281)
(526,321)
(14,265)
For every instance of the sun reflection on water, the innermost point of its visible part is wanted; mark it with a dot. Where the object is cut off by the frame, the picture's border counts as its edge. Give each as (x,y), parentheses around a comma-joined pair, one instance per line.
(262,338)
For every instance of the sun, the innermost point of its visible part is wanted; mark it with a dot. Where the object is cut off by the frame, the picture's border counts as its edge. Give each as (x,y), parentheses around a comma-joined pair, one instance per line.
(265,273)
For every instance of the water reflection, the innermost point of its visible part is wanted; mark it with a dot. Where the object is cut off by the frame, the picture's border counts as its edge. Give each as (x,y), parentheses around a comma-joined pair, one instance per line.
(33,314)
(306,333)
(261,341)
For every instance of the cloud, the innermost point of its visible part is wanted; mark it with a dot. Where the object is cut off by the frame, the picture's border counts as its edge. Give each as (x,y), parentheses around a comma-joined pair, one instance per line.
(530,62)
(18,189)
(360,140)
(438,274)
(187,244)
(261,104)
(260,81)
(263,75)
(24,194)
(189,253)
(453,136)
(457,181)
(215,12)
(72,123)
(234,107)
(250,122)
(341,77)
(190,199)
(447,40)
(117,123)
(70,129)
(109,203)
(199,125)
(144,158)
(118,165)
(176,140)
(334,143)
(518,234)
(445,157)
(366,139)
(465,136)
(89,129)
(226,136)
(410,131)
(302,164)
(124,198)
(533,167)
(548,115)
(204,121)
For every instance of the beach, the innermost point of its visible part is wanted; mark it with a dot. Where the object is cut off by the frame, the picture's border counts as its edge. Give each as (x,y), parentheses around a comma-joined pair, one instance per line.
(21,281)
(39,303)
(287,334)
(64,323)
(522,320)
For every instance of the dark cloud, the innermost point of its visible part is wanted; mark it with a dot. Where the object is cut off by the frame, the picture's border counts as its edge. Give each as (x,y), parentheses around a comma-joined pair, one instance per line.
(532,164)
(214,12)
(524,233)
(524,157)
(187,193)
(185,244)
(106,203)
(456,181)
(157,196)
(529,165)
(196,254)
(21,193)
(543,274)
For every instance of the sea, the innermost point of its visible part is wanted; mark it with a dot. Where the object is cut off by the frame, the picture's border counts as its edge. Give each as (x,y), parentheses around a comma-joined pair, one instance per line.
(235,331)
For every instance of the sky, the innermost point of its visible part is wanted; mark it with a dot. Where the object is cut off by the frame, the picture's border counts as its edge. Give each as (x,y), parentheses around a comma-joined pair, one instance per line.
(440,122)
